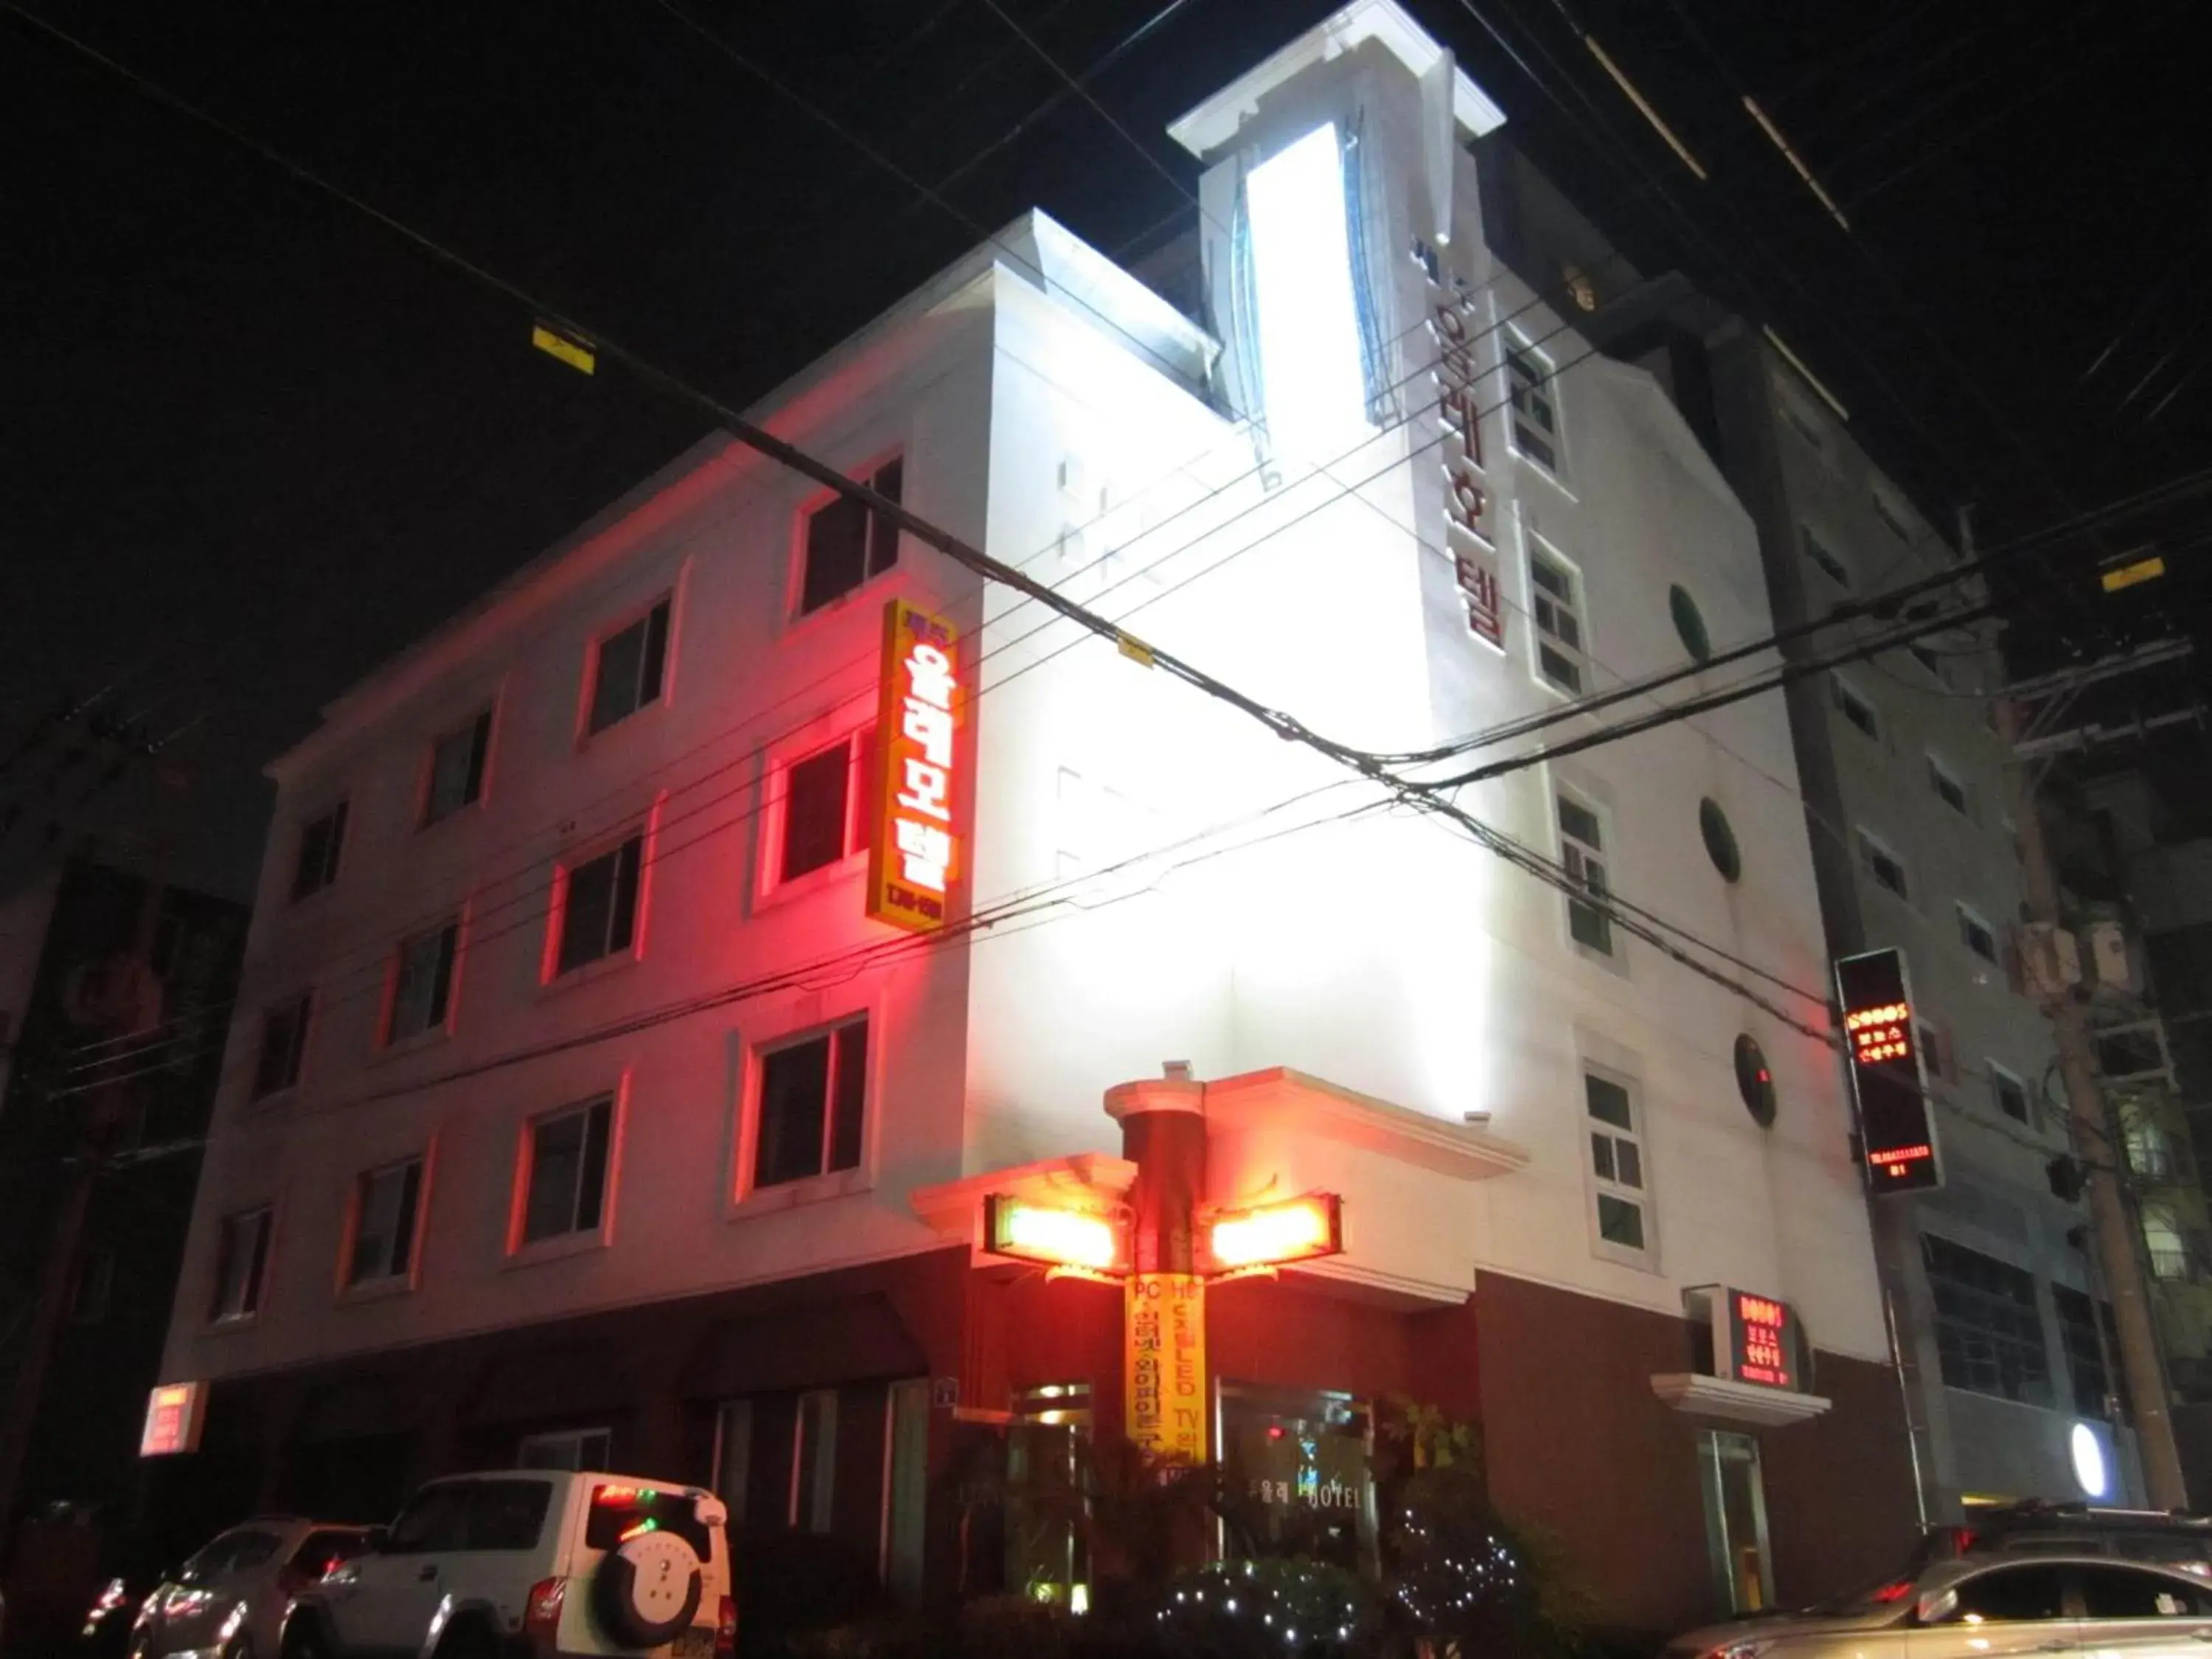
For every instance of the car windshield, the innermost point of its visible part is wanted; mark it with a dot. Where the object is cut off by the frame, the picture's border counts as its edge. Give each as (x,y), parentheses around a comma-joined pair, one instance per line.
(1893,1593)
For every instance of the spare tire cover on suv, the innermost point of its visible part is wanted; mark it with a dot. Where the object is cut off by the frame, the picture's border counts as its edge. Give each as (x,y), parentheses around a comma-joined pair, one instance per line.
(646,1590)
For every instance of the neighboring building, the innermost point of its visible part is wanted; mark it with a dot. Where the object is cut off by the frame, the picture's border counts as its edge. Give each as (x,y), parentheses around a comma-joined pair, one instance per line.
(79,1483)
(561,1125)
(1908,795)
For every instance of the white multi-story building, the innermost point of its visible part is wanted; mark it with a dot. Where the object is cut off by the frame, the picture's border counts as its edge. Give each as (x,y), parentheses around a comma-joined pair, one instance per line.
(567,1124)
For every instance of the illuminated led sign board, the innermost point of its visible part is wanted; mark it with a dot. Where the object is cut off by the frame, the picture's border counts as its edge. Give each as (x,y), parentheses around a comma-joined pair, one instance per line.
(1272,1234)
(913,856)
(173,1414)
(1059,1236)
(1762,1340)
(1895,1129)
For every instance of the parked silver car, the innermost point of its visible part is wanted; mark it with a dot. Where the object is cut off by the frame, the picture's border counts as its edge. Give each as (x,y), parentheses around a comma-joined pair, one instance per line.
(2092,1607)
(228,1600)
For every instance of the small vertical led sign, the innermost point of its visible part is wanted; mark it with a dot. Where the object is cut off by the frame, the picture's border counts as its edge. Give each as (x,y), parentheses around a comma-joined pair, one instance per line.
(1898,1135)
(174,1412)
(913,854)
(1762,1340)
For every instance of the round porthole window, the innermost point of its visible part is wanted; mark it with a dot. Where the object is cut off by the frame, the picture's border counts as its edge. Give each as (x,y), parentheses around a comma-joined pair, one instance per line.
(1689,624)
(1754,1081)
(1720,840)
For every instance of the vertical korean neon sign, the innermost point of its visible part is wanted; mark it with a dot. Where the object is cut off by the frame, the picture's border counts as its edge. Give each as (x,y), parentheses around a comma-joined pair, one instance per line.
(913,854)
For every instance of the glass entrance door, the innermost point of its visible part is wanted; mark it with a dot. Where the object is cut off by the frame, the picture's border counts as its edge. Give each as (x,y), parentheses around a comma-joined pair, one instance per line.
(1735,1520)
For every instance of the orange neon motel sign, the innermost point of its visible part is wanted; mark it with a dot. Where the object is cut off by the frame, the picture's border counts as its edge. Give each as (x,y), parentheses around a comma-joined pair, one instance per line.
(1271,1235)
(914,855)
(1058,1236)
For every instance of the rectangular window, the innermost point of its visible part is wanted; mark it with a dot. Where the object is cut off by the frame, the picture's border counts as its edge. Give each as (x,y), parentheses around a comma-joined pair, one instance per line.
(321,842)
(1854,706)
(241,1264)
(283,1045)
(456,769)
(422,982)
(92,1285)
(733,1454)
(2085,1351)
(812,1095)
(1831,567)
(628,668)
(1947,786)
(906,1485)
(1582,855)
(568,1171)
(563,1448)
(2009,1095)
(825,809)
(1926,658)
(1884,866)
(1931,1048)
(1535,408)
(1616,1164)
(1989,1335)
(1736,1519)
(1891,516)
(598,906)
(848,543)
(1557,615)
(814,1462)
(385,1203)
(1975,934)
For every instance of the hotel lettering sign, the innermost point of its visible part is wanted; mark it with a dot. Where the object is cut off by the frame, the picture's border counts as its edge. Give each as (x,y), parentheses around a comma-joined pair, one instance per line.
(1164,1346)
(914,853)
(1896,1130)
(1470,508)
(1762,1340)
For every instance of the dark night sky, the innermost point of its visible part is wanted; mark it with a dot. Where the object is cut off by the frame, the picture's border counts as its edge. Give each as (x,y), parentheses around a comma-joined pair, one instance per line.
(253,444)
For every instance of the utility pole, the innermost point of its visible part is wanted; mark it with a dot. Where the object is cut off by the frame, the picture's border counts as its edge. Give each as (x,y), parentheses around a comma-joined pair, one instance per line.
(2111,1225)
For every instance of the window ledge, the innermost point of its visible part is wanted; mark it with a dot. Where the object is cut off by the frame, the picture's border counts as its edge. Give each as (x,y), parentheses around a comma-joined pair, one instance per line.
(1530,464)
(413,1044)
(591,972)
(797,620)
(1615,961)
(467,809)
(232,1324)
(559,1248)
(1736,1402)
(791,1195)
(851,866)
(376,1290)
(587,739)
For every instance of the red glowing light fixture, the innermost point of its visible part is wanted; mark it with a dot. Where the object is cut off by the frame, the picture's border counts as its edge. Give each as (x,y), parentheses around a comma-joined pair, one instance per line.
(615,1496)
(1297,1230)
(1058,1235)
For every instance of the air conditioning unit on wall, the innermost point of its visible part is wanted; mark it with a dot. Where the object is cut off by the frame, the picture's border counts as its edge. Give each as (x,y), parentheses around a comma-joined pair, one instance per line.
(2049,960)
(2109,959)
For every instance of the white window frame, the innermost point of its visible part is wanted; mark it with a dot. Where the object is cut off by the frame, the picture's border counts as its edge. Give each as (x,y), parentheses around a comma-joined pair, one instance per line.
(1545,387)
(1871,844)
(1575,855)
(1999,1076)
(869,474)
(645,832)
(749,1186)
(638,615)
(388,1032)
(253,1288)
(1597,1186)
(1968,917)
(1939,774)
(571,1238)
(303,1005)
(1824,558)
(350,1282)
(1576,608)
(334,860)
(860,805)
(1845,695)
(1894,518)
(815,1510)
(483,720)
(576,1441)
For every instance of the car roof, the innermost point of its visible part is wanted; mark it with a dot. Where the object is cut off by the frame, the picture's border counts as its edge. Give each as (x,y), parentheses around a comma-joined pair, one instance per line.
(1944,1573)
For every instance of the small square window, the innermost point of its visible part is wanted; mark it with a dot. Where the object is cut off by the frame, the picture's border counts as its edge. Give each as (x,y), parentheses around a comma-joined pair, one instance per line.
(813,1095)
(1831,567)
(1854,706)
(1617,1163)
(1582,855)
(1557,614)
(241,1264)
(568,1171)
(848,543)
(825,815)
(629,667)
(320,844)
(1535,408)
(1947,786)
(598,906)
(2009,1095)
(422,982)
(283,1045)
(385,1204)
(456,769)
(1884,866)
(1975,933)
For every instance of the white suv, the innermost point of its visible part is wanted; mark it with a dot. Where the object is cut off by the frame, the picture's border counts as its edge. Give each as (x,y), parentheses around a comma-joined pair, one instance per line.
(480,1566)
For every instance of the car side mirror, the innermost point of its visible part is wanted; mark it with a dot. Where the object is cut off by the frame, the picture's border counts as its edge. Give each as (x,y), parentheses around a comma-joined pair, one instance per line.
(1936,1607)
